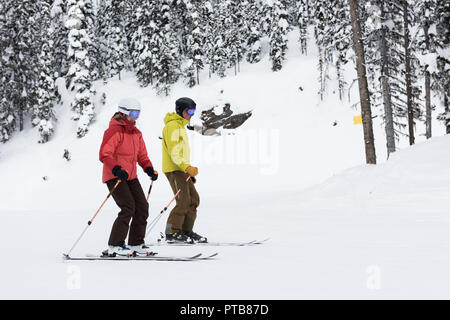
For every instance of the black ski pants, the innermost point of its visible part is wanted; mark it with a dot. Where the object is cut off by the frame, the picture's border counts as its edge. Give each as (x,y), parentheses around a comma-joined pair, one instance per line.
(133,205)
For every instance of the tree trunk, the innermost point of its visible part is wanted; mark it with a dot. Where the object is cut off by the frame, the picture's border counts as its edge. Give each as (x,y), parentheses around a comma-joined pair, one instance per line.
(387,102)
(447,109)
(322,81)
(21,108)
(198,77)
(408,73)
(364,97)
(427,87)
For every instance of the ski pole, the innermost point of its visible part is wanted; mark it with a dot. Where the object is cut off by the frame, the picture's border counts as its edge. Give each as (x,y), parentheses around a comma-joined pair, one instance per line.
(156,219)
(149,190)
(92,219)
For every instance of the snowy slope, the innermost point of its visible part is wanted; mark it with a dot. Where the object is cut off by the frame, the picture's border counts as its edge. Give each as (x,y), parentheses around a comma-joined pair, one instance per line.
(284,174)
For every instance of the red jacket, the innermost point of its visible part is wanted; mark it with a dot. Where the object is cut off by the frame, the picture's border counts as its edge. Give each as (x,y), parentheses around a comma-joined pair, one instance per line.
(123,146)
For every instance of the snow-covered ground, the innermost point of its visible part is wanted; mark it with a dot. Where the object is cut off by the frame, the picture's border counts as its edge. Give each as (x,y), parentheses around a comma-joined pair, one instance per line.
(338,228)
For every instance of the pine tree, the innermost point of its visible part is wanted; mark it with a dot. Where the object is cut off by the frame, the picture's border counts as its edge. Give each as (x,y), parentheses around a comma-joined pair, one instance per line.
(219,52)
(8,122)
(324,42)
(266,17)
(385,34)
(79,76)
(166,68)
(380,64)
(425,12)
(112,41)
(408,69)
(254,35)
(145,42)
(20,42)
(101,26)
(59,36)
(279,29)
(303,20)
(237,34)
(26,55)
(131,12)
(47,95)
(366,111)
(207,18)
(341,41)
(194,51)
(441,77)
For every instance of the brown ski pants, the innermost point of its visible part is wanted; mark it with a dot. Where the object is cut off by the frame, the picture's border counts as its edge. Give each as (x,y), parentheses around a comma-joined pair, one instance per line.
(133,204)
(183,215)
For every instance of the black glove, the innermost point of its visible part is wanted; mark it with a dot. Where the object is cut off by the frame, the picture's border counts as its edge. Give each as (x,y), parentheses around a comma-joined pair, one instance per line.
(151,173)
(119,173)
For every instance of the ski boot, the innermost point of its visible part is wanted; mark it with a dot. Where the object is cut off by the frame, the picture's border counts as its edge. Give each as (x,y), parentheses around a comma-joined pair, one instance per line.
(196,237)
(113,251)
(141,250)
(178,237)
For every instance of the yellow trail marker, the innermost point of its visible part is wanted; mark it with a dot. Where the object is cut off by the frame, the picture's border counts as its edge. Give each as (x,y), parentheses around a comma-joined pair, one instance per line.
(357,119)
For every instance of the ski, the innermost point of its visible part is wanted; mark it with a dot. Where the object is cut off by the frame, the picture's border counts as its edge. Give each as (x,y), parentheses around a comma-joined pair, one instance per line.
(92,257)
(161,242)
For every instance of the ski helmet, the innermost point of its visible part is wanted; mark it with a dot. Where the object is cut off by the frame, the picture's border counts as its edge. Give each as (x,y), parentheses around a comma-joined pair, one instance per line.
(184,103)
(129,105)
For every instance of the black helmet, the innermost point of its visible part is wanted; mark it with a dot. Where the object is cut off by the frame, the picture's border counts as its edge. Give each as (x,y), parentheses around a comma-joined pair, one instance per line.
(183,104)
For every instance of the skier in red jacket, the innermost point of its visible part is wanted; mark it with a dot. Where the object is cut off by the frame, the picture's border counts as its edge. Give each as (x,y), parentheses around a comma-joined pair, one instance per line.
(122,148)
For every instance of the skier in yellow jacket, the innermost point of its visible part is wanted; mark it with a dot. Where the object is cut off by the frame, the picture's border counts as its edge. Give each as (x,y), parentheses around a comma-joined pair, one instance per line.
(177,168)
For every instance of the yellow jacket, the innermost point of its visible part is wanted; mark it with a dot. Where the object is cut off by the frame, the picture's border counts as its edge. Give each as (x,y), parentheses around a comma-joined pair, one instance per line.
(176,152)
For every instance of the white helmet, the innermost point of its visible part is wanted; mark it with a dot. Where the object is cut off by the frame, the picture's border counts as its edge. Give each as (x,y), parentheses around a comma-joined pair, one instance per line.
(127,105)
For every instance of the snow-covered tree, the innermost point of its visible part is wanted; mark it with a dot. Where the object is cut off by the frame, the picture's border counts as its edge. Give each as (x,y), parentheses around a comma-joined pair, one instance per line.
(219,52)
(194,51)
(165,57)
(59,36)
(8,121)
(20,44)
(207,17)
(341,28)
(303,17)
(253,34)
(79,76)
(43,115)
(389,77)
(279,29)
(144,42)
(238,34)
(324,41)
(111,38)
(441,76)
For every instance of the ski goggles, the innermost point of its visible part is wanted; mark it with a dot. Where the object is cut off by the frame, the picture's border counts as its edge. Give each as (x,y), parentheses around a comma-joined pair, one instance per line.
(190,111)
(134,114)
(130,112)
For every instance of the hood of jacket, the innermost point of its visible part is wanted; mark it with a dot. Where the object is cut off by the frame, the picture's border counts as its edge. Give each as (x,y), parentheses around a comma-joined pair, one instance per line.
(172,116)
(119,121)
